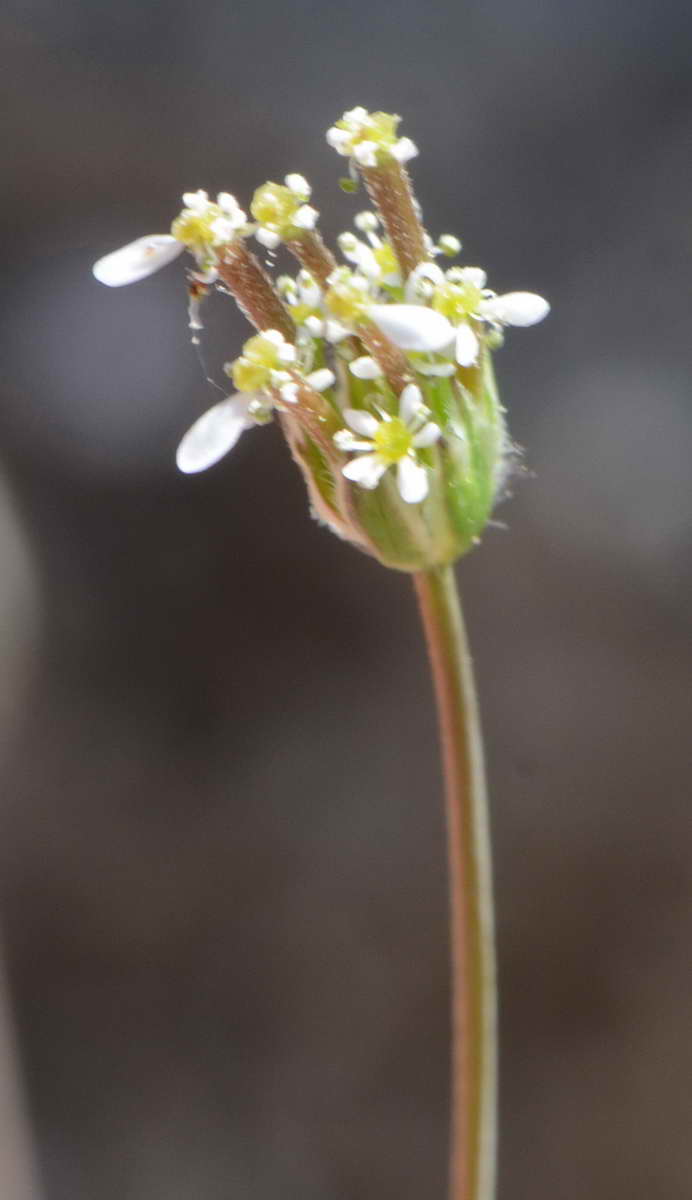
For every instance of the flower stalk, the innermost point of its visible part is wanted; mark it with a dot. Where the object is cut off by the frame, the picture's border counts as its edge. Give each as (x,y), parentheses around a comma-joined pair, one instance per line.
(313,255)
(253,290)
(474,1053)
(390,192)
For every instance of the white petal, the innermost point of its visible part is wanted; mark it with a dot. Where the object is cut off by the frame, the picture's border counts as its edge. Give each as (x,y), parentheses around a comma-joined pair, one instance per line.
(404,149)
(315,326)
(289,392)
(348,441)
(297,184)
(365,153)
(424,273)
(357,115)
(366,221)
(365,261)
(138,259)
(198,201)
(365,368)
(335,332)
(476,276)
(362,422)
(441,370)
(466,348)
(413,327)
(339,139)
(267,237)
(213,434)
(308,289)
(321,380)
(412,481)
(516,308)
(223,229)
(366,470)
(305,217)
(410,400)
(229,204)
(427,436)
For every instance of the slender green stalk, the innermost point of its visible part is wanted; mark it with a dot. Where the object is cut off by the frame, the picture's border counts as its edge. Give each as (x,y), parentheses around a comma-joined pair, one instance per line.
(474,1006)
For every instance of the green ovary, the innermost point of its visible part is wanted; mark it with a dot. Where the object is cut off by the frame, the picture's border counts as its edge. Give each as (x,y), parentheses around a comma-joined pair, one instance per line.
(393,440)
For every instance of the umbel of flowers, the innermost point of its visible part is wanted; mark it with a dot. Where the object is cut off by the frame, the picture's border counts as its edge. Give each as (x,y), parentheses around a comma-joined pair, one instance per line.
(378,368)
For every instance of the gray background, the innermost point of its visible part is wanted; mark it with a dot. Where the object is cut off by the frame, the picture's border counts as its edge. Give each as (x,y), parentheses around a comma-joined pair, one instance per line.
(221,841)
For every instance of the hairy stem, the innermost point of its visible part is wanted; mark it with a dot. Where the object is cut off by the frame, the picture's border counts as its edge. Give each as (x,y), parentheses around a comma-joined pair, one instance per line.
(390,358)
(474,1005)
(389,189)
(254,291)
(313,255)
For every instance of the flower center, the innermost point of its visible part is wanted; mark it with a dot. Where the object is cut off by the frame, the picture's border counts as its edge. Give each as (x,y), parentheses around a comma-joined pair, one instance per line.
(392,439)
(457,301)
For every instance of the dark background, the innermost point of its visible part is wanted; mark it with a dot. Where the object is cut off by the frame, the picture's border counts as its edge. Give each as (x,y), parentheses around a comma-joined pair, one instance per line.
(221,839)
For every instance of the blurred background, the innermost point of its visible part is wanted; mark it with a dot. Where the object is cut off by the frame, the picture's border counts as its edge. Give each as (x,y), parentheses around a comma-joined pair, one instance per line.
(222,882)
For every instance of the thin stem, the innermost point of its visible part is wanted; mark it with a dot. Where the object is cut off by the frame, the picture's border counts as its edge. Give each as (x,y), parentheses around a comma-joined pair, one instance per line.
(253,290)
(389,188)
(313,255)
(390,358)
(474,1053)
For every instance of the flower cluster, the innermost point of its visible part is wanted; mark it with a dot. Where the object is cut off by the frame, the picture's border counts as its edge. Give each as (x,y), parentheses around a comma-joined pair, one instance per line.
(368,137)
(283,212)
(383,362)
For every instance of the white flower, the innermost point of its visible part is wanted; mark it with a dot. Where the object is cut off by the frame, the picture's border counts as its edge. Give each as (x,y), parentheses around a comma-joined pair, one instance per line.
(137,260)
(387,442)
(514,308)
(361,136)
(214,433)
